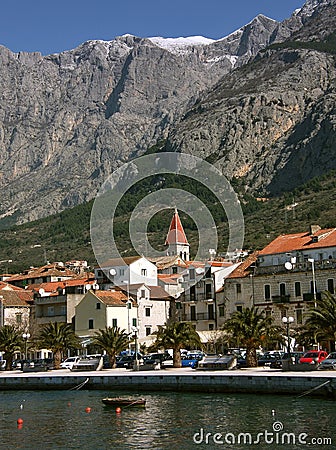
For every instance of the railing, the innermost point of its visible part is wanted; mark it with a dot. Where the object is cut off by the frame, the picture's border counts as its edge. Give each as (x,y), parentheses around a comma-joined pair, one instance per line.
(199,316)
(309,296)
(297,267)
(50,300)
(280,298)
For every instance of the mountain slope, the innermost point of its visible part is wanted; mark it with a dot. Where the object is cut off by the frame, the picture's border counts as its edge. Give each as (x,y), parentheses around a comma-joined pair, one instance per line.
(68,120)
(271,124)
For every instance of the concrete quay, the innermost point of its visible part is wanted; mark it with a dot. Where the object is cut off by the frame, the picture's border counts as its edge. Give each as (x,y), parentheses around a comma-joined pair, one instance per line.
(257,381)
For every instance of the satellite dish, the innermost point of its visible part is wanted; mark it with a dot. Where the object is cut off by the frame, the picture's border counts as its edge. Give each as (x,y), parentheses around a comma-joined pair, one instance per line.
(41,291)
(288,265)
(113,272)
(88,287)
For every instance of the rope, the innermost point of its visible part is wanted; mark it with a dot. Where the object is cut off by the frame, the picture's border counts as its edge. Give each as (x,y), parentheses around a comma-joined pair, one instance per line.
(79,386)
(314,389)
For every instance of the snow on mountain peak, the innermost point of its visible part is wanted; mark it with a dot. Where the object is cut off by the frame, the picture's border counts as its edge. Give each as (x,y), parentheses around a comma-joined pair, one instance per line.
(180,44)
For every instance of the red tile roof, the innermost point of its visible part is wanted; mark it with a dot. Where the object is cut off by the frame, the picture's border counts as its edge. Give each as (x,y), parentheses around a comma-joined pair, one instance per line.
(111,298)
(301,241)
(16,298)
(176,234)
(244,268)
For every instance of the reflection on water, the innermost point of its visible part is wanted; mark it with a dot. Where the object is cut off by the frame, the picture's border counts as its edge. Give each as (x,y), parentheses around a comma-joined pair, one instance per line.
(58,420)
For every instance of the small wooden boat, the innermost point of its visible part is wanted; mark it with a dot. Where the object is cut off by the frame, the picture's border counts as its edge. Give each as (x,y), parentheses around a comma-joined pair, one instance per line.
(118,402)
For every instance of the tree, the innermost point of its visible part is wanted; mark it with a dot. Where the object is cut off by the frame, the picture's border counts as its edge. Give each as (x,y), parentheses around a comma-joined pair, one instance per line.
(321,320)
(251,330)
(113,340)
(10,342)
(58,337)
(177,335)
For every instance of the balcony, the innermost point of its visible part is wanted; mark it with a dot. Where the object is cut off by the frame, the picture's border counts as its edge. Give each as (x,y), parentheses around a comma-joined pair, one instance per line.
(309,296)
(199,316)
(280,298)
(304,266)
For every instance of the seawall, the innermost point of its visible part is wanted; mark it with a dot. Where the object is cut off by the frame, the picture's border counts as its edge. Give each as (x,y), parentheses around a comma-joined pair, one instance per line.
(186,380)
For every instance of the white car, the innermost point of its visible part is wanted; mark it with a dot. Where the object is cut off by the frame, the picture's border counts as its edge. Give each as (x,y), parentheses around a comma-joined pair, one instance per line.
(69,362)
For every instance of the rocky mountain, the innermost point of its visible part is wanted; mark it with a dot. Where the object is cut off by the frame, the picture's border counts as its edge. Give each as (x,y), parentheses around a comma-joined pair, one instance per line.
(68,120)
(272,123)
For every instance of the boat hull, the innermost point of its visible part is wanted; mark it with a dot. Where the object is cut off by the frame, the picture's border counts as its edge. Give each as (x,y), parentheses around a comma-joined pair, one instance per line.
(118,402)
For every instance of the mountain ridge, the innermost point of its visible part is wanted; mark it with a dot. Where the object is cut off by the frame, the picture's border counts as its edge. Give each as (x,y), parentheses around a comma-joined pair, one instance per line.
(68,120)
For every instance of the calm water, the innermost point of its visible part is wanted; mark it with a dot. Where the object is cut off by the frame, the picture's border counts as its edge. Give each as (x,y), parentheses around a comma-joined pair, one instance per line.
(58,420)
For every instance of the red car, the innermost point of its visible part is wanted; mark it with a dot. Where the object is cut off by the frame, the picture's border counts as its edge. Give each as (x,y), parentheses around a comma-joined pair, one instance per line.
(313,357)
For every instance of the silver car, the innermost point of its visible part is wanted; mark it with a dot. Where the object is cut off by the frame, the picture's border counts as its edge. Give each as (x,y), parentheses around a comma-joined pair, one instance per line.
(329,363)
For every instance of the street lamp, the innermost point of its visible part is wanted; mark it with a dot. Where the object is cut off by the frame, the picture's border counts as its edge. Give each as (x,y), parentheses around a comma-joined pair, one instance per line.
(136,361)
(25,337)
(312,261)
(287,321)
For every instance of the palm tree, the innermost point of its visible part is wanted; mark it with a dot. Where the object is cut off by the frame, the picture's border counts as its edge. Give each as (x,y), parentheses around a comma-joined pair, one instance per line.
(251,329)
(10,342)
(177,335)
(321,320)
(113,340)
(58,337)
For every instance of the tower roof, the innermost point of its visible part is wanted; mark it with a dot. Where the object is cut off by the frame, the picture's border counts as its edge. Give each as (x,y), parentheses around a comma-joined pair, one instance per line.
(176,234)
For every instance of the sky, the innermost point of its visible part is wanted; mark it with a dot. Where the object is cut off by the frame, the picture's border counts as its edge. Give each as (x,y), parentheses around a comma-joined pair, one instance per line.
(51,26)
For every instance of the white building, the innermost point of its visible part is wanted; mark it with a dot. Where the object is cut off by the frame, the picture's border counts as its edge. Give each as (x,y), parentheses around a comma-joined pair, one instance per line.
(126,271)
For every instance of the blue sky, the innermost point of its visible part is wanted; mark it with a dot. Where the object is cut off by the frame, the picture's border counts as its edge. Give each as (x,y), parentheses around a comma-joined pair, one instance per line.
(51,26)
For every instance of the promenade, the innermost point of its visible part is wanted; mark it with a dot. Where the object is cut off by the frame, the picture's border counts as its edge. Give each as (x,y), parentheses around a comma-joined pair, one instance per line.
(258,380)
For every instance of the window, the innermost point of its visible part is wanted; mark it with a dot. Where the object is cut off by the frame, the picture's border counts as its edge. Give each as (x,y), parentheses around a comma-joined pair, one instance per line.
(174,270)
(211,313)
(147,312)
(114,322)
(330,284)
(192,312)
(299,316)
(148,331)
(267,291)
(221,310)
(63,310)
(208,291)
(192,293)
(239,308)
(121,272)
(143,293)
(18,317)
(98,305)
(297,288)
(312,287)
(268,312)
(282,288)
(211,326)
(192,274)
(90,324)
(144,272)
(134,322)
(238,288)
(50,311)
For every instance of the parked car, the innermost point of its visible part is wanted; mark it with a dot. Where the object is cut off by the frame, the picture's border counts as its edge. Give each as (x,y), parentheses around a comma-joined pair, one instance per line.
(267,359)
(329,363)
(313,357)
(294,356)
(69,362)
(127,361)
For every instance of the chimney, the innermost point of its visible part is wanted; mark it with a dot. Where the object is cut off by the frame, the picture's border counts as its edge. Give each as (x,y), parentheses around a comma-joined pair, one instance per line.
(314,229)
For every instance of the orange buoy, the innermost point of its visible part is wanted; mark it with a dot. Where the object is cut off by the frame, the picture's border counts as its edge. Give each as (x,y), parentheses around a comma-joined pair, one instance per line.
(88,409)
(20,421)
(118,410)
